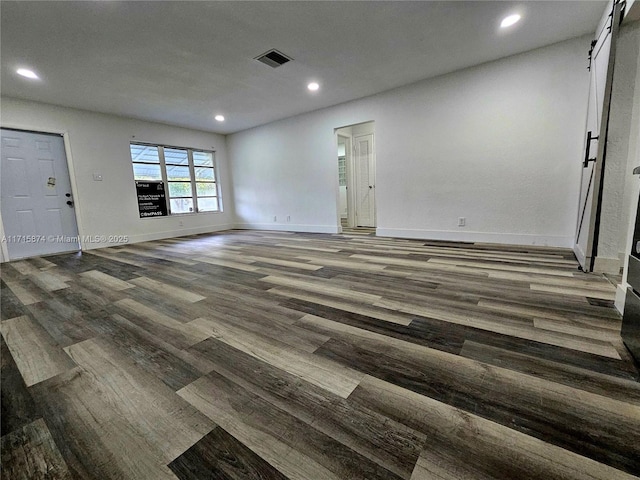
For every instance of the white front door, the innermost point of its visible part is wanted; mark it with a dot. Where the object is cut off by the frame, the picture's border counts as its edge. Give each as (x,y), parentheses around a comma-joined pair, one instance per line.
(601,68)
(365,181)
(37,206)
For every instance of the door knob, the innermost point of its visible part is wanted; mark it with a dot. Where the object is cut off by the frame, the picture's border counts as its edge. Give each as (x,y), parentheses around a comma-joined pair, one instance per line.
(67,195)
(70,203)
(370,186)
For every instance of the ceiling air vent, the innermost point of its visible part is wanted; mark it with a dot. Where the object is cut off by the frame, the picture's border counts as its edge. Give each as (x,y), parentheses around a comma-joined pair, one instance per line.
(273,58)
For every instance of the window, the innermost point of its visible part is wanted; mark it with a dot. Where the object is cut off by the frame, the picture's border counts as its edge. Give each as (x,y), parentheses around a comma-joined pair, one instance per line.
(342,171)
(189,175)
(205,175)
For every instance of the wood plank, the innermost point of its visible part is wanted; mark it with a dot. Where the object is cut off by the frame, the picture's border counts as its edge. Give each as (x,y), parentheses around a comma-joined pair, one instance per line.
(25,292)
(181,335)
(18,407)
(467,384)
(359,309)
(220,455)
(280,330)
(155,254)
(608,294)
(325,374)
(490,450)
(352,265)
(50,280)
(304,247)
(10,306)
(621,389)
(243,411)
(503,266)
(272,449)
(137,332)
(30,453)
(582,344)
(285,263)
(114,257)
(117,420)
(602,334)
(601,318)
(228,264)
(65,323)
(322,287)
(107,280)
(377,438)
(427,332)
(36,354)
(25,268)
(41,263)
(176,293)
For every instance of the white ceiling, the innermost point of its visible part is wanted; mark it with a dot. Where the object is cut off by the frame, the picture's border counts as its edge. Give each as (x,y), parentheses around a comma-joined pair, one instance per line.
(183,62)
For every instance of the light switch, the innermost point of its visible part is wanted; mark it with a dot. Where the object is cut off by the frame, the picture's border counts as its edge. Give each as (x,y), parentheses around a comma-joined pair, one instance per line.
(97,177)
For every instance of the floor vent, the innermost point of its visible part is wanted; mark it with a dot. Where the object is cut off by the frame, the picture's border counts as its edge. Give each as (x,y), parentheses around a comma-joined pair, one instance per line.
(273,58)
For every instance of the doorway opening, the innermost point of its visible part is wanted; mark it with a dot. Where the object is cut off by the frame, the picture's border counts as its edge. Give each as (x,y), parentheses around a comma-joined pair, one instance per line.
(356,178)
(37,204)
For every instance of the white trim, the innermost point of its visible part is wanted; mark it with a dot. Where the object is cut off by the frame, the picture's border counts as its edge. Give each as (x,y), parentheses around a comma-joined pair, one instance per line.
(482,237)
(621,295)
(74,187)
(580,255)
(4,251)
(607,265)
(287,227)
(348,174)
(148,237)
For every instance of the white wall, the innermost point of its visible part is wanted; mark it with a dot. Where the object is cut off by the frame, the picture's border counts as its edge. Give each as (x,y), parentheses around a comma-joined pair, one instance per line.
(100,144)
(499,144)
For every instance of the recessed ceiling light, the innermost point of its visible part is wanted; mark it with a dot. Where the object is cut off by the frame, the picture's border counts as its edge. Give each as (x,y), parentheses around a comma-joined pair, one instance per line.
(219,118)
(313,86)
(27,73)
(510,20)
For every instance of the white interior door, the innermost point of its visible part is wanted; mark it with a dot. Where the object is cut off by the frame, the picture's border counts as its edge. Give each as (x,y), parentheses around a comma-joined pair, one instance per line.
(601,70)
(37,206)
(365,181)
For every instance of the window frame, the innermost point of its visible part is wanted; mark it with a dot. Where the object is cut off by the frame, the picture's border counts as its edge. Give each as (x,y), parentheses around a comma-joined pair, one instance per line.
(192,176)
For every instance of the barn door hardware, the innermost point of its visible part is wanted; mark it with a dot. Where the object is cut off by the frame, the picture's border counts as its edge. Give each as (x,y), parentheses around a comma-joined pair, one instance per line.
(585,164)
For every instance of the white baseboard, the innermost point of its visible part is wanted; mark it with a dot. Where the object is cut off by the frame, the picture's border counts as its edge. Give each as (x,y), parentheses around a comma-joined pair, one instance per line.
(288,227)
(607,265)
(621,293)
(147,237)
(482,237)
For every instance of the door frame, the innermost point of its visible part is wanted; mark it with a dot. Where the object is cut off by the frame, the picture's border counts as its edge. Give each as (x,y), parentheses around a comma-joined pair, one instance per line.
(349,174)
(72,180)
(591,250)
(350,164)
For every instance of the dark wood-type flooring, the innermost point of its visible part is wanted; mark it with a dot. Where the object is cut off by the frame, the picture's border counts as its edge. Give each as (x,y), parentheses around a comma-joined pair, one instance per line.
(265,355)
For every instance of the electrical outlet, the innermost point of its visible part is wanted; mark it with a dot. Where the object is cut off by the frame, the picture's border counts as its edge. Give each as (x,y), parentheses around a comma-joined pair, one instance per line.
(181,223)
(462,221)
(288,218)
(275,218)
